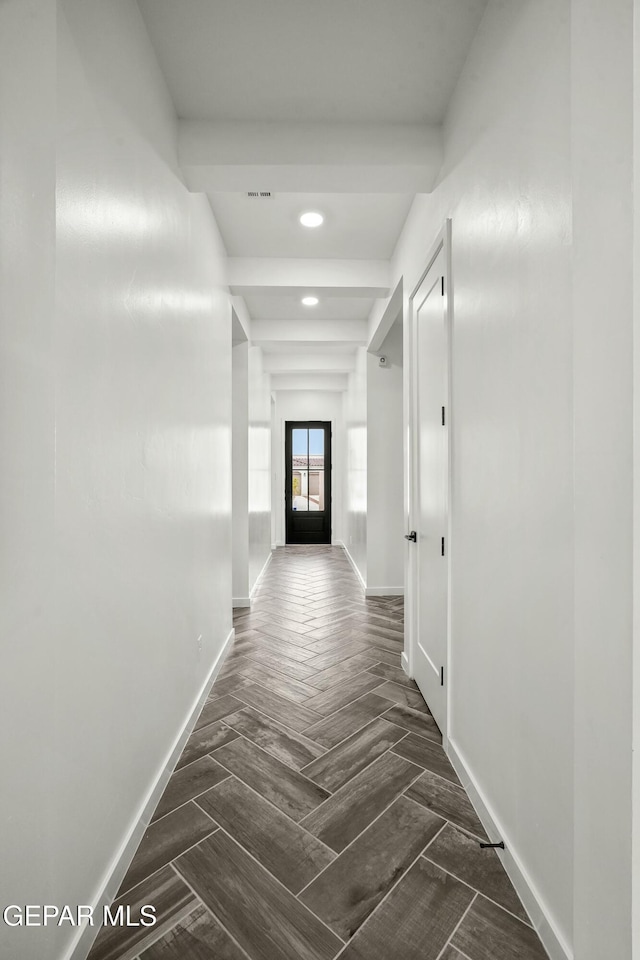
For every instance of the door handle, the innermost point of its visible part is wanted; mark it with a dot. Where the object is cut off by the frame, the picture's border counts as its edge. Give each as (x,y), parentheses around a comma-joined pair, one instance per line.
(413,536)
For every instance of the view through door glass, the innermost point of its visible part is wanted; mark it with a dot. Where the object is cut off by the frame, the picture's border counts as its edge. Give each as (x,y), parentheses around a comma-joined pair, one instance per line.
(308,469)
(308,482)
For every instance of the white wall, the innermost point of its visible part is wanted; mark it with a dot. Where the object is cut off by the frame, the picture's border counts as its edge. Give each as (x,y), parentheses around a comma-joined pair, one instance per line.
(29,735)
(308,405)
(105,668)
(636,501)
(240,472)
(602,144)
(259,437)
(251,470)
(355,434)
(385,468)
(506,184)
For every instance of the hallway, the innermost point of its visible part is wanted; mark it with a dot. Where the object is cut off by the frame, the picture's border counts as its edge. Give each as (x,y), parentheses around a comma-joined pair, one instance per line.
(313,805)
(222,217)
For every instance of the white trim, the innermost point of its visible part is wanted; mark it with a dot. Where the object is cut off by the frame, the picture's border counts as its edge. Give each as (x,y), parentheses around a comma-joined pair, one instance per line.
(241,602)
(535,905)
(392,311)
(354,565)
(281,492)
(442,244)
(282,542)
(274,545)
(384,592)
(404,663)
(115,872)
(254,588)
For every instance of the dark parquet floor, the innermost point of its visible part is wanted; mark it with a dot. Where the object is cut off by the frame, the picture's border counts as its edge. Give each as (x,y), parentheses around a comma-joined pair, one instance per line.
(313,812)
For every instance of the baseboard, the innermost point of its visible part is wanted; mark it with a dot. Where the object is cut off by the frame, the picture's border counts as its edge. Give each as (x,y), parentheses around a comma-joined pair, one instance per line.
(254,588)
(539,912)
(241,602)
(384,592)
(280,543)
(404,663)
(273,546)
(354,565)
(118,867)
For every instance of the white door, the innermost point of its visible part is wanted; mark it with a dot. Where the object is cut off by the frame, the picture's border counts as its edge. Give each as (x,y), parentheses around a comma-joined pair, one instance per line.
(429,430)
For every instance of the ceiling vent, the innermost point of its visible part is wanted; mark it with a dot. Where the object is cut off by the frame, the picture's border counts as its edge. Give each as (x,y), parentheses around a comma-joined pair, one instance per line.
(259,194)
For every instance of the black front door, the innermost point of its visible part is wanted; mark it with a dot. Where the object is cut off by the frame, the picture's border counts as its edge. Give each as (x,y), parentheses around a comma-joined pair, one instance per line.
(308,481)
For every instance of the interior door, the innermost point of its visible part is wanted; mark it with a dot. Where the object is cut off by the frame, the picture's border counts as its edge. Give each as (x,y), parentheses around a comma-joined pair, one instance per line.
(308,481)
(429,513)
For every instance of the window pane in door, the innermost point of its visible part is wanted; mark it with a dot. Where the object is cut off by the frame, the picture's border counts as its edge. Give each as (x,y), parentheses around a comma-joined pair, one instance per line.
(316,449)
(316,469)
(300,469)
(316,489)
(300,443)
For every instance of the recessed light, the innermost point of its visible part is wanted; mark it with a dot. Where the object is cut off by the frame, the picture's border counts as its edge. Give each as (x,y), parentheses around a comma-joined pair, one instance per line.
(311,219)
(310,301)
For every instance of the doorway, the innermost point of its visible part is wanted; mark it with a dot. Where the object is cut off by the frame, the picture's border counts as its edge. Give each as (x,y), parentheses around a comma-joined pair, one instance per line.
(308,481)
(429,447)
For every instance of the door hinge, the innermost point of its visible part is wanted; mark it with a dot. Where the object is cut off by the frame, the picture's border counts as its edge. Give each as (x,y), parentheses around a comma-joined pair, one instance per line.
(442,546)
(442,281)
(443,417)
(442,676)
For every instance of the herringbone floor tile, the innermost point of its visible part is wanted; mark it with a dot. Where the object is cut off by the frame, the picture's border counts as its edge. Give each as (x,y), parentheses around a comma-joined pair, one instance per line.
(314,812)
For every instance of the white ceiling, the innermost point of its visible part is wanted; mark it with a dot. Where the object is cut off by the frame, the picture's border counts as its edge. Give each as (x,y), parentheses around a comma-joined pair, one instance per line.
(304,95)
(331,60)
(265,307)
(357,226)
(315,346)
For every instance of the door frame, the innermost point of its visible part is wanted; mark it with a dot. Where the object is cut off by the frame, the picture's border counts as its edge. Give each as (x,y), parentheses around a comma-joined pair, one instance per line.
(442,243)
(279,479)
(328,468)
